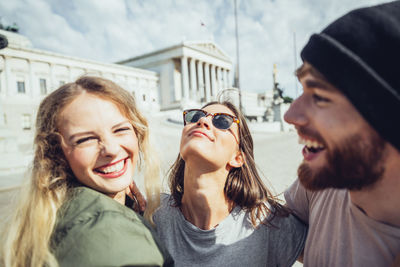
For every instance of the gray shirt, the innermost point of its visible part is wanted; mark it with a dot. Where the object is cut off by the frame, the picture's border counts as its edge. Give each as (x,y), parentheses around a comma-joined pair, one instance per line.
(340,234)
(234,242)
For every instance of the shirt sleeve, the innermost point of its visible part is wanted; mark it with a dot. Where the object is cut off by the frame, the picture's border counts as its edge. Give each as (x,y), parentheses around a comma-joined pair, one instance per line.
(109,239)
(298,200)
(289,244)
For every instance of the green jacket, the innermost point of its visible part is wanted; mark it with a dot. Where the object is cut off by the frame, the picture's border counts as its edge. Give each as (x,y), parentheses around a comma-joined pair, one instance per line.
(94,230)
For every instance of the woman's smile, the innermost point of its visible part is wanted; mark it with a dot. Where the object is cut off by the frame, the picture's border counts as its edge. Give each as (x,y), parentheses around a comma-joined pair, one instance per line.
(113,170)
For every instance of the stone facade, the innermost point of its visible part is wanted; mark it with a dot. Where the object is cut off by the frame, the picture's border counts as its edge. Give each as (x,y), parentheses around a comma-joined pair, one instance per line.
(28,74)
(191,73)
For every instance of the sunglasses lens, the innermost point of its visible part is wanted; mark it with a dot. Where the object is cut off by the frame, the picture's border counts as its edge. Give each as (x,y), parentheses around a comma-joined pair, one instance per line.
(193,116)
(222,121)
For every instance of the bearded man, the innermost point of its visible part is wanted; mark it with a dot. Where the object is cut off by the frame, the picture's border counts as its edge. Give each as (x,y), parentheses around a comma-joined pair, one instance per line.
(348,189)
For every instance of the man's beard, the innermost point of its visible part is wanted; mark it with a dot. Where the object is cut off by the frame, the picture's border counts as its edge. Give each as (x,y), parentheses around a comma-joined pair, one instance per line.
(355,164)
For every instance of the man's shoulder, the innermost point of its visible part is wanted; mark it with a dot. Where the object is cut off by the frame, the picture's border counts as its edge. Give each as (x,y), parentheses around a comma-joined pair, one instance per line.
(297,190)
(303,202)
(330,197)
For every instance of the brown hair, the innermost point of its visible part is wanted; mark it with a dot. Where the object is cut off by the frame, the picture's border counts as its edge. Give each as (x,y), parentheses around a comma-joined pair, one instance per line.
(29,234)
(244,186)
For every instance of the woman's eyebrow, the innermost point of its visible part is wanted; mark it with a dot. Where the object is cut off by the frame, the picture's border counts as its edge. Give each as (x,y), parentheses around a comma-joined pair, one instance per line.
(121,123)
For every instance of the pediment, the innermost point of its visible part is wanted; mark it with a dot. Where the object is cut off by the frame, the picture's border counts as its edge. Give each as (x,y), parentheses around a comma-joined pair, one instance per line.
(210,48)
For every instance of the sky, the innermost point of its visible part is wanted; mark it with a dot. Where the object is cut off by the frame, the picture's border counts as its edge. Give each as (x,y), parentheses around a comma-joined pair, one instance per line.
(270,31)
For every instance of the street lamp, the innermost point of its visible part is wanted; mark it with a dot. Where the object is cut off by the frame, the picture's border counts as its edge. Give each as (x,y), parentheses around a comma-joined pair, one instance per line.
(237,76)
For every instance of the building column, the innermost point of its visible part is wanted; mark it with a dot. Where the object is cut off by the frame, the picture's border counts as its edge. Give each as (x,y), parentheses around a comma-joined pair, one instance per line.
(207,80)
(228,78)
(200,83)
(69,74)
(185,80)
(31,86)
(213,81)
(52,83)
(226,82)
(193,82)
(2,76)
(9,86)
(2,87)
(217,81)
(221,85)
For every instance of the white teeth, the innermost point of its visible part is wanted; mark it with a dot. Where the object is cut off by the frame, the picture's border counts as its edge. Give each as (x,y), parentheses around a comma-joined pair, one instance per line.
(113,168)
(310,143)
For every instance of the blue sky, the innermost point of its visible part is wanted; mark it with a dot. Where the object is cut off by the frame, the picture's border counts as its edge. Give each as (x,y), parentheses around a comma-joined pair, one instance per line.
(113,30)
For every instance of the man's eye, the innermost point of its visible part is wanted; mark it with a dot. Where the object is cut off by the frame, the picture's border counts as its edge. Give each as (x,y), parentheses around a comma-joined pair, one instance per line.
(85,139)
(320,99)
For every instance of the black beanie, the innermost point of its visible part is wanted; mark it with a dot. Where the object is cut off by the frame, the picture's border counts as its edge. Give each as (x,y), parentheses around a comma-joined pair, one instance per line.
(360,55)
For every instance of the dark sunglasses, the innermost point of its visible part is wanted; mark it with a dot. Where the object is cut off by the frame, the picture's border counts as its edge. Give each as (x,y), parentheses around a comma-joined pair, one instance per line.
(221,121)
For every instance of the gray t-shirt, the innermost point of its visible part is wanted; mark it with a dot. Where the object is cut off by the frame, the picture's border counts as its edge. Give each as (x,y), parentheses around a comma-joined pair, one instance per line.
(340,234)
(234,242)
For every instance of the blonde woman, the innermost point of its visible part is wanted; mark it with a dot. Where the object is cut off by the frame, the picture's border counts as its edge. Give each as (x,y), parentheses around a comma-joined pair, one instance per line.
(219,212)
(89,138)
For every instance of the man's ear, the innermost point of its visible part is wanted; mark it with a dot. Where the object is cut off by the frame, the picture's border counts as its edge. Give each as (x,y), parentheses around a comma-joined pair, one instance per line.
(237,161)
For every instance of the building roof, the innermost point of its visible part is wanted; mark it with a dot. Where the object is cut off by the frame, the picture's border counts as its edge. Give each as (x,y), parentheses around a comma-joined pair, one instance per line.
(205,47)
(16,40)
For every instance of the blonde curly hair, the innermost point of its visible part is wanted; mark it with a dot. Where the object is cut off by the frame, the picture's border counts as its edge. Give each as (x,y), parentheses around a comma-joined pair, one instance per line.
(27,238)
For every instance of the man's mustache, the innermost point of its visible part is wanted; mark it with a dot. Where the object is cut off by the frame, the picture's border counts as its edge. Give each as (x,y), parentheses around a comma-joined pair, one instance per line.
(307,132)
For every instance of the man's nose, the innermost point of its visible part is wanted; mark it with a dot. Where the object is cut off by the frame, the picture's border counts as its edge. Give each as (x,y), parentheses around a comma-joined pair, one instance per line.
(296,113)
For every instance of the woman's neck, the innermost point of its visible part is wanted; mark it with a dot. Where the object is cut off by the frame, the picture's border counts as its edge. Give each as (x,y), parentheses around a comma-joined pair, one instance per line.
(204,203)
(119,197)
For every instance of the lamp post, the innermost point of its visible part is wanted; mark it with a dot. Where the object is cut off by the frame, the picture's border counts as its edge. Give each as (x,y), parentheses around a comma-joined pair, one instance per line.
(237,76)
(295,61)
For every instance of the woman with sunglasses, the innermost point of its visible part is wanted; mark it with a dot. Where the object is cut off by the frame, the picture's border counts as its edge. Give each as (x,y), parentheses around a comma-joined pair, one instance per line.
(219,212)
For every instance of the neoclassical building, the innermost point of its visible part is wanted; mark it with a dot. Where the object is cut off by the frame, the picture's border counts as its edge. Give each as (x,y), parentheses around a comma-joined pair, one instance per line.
(190,73)
(28,74)
(184,75)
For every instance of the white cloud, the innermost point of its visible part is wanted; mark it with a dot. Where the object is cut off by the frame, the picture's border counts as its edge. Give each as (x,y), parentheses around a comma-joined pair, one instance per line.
(108,30)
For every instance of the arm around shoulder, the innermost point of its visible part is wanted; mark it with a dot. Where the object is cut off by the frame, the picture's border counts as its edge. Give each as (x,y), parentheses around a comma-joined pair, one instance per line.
(292,240)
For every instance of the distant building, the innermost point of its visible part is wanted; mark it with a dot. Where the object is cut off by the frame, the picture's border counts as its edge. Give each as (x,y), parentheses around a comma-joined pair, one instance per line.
(254,105)
(28,74)
(190,73)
